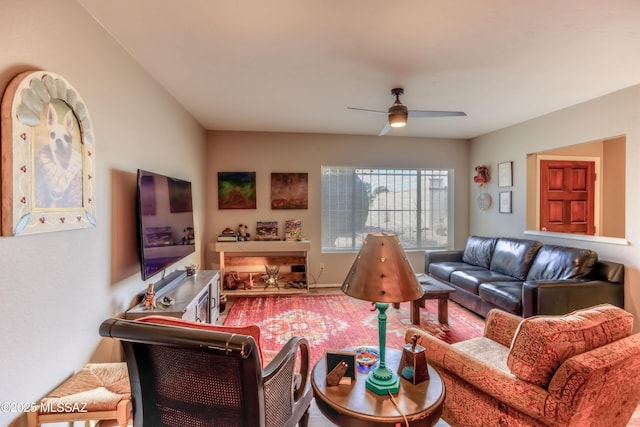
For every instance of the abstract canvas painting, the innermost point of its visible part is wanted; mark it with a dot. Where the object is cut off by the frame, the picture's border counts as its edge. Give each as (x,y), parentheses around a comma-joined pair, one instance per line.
(289,191)
(236,190)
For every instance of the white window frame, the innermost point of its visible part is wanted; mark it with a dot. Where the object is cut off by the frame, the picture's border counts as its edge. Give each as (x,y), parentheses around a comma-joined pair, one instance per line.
(393,196)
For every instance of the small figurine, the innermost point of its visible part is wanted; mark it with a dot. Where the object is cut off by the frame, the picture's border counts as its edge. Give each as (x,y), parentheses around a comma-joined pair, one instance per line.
(242,233)
(189,237)
(336,374)
(223,302)
(191,269)
(150,297)
(231,281)
(249,284)
(272,276)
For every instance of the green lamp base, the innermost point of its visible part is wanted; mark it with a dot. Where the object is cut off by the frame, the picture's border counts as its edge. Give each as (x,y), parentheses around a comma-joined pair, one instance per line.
(383,381)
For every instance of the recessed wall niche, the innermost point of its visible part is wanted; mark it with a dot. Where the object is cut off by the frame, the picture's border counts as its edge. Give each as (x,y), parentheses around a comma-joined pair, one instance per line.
(609,157)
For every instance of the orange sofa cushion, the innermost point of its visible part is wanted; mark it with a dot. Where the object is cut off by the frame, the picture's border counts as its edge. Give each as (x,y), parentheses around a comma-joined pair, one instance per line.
(542,343)
(251,330)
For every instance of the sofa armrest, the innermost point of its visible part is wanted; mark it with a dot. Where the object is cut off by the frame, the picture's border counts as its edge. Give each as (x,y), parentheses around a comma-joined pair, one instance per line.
(501,326)
(523,396)
(582,381)
(436,255)
(555,297)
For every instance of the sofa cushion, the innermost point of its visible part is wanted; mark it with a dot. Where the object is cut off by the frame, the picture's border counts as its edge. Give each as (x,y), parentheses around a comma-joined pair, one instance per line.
(443,270)
(471,280)
(542,343)
(561,263)
(487,351)
(514,256)
(505,295)
(479,250)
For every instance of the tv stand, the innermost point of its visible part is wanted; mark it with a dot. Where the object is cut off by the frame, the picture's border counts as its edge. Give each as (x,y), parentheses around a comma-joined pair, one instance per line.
(195,298)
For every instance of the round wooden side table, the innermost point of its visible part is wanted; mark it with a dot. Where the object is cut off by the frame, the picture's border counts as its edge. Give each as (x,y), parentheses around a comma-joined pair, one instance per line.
(354,405)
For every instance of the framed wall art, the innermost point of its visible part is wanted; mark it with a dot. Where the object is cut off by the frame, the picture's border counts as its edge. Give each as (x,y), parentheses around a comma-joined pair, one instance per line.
(505,202)
(48,156)
(236,190)
(289,190)
(505,174)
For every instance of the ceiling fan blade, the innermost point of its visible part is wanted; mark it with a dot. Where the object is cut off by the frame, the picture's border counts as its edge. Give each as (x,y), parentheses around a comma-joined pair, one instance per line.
(368,111)
(420,113)
(385,130)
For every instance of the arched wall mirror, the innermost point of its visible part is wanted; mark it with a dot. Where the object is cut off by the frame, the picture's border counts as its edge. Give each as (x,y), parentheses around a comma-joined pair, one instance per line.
(579,189)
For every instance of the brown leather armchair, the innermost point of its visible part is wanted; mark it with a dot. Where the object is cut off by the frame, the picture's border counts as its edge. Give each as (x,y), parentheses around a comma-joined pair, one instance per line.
(191,376)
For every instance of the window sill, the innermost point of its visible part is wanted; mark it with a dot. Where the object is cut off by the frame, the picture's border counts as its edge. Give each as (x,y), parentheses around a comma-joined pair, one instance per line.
(582,237)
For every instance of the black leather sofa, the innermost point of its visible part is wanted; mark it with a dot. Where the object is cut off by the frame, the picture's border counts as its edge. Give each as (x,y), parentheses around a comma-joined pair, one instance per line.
(525,277)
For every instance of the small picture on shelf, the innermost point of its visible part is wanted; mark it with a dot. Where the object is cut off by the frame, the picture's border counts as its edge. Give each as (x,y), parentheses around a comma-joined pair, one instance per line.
(267,230)
(292,230)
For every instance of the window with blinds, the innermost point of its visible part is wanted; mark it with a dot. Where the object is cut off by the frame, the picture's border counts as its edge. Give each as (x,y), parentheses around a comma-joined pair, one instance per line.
(415,204)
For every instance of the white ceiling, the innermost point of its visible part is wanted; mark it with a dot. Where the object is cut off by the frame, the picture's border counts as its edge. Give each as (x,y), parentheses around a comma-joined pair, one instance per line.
(295,65)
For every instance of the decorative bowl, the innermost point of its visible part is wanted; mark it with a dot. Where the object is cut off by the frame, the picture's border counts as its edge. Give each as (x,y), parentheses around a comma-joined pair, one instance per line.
(167,301)
(367,356)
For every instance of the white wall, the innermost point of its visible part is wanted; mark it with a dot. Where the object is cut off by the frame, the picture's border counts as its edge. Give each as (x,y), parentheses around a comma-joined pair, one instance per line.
(56,288)
(611,115)
(265,153)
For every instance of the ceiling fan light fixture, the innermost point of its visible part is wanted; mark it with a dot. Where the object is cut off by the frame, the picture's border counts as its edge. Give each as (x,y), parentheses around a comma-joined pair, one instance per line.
(398,119)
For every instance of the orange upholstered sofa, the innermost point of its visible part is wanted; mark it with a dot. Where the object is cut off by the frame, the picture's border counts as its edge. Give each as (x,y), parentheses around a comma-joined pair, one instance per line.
(580,369)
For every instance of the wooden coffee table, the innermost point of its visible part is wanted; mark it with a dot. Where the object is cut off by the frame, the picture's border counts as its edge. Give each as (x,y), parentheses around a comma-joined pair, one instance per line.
(432,289)
(354,405)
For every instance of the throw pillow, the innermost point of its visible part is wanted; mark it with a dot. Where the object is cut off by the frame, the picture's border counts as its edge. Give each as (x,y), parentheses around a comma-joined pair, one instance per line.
(251,330)
(542,343)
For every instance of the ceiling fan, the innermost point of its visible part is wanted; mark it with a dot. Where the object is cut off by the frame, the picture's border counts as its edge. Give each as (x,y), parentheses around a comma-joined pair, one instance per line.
(398,113)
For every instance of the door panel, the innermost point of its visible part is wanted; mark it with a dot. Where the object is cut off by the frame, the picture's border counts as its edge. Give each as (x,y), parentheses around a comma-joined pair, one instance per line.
(567,196)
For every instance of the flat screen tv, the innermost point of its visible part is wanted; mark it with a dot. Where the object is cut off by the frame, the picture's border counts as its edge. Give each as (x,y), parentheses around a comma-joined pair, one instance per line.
(165,221)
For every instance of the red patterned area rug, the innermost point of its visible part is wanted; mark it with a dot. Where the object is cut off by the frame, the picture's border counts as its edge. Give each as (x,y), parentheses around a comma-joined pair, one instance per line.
(339,321)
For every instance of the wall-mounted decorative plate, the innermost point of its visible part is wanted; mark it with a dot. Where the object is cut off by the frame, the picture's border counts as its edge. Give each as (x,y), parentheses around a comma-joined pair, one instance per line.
(484,201)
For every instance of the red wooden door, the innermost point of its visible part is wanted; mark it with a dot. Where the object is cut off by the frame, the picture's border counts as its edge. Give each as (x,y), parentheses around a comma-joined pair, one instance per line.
(567,196)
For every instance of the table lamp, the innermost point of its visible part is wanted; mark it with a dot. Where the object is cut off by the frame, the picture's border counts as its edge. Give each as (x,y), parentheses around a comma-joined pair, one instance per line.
(381,273)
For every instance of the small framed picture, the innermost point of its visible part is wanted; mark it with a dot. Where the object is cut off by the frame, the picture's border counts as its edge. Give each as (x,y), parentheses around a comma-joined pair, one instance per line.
(267,230)
(505,202)
(505,174)
(335,357)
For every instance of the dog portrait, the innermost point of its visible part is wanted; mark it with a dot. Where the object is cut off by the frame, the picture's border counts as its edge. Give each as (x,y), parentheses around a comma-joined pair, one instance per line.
(57,159)
(48,164)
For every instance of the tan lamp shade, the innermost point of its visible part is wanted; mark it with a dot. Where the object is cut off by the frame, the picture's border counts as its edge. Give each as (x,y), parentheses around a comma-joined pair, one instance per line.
(381,272)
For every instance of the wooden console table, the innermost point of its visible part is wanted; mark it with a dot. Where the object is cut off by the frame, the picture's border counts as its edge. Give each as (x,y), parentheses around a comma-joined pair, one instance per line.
(250,257)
